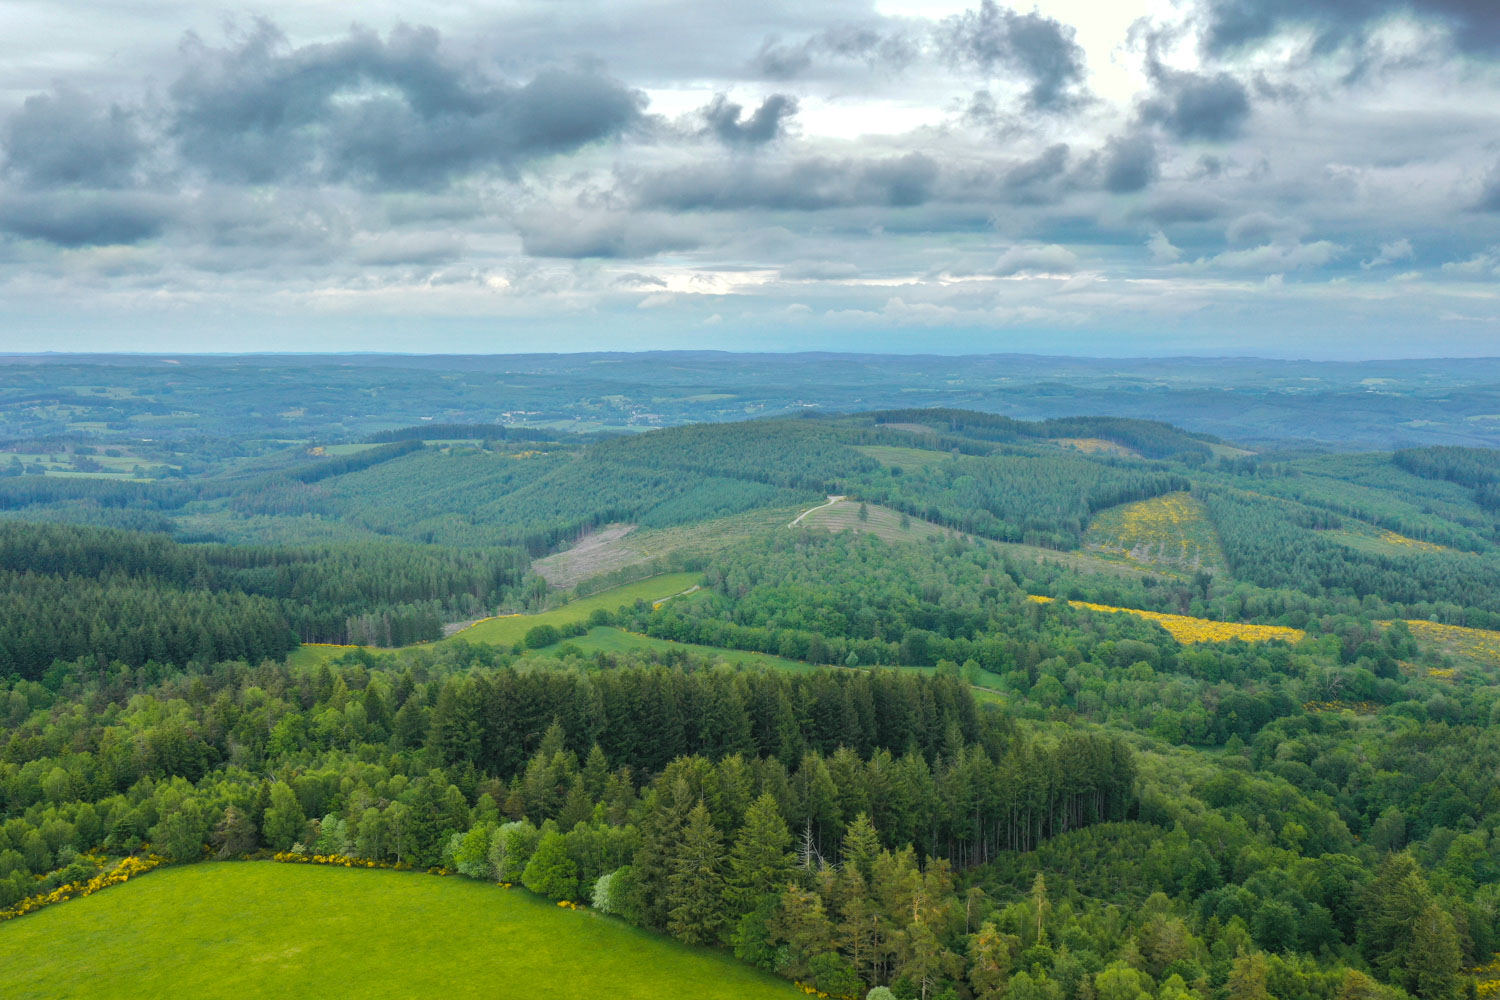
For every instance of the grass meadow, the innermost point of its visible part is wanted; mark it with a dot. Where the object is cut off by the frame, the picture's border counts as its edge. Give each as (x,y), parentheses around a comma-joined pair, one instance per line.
(262,929)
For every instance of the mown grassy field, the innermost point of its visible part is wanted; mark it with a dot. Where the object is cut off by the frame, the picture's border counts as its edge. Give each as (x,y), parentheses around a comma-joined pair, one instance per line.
(513,628)
(905,459)
(264,929)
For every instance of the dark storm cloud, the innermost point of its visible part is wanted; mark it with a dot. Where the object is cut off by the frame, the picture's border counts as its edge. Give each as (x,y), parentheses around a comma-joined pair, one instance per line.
(66,138)
(1050,165)
(726,120)
(1197,106)
(997,40)
(398,113)
(1130,163)
(804,185)
(79,220)
(1231,24)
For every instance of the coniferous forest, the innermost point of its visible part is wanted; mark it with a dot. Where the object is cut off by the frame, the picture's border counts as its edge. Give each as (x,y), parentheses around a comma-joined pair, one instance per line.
(933,701)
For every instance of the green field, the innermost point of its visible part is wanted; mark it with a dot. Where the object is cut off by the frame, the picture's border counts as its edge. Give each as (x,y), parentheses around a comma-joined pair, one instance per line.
(905,459)
(613,640)
(274,930)
(882,522)
(513,628)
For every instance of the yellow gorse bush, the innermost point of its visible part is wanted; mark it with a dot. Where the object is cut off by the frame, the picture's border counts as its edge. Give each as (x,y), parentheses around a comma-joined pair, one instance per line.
(1186,629)
(1392,538)
(1172,529)
(126,870)
(1474,643)
(1488,978)
(1357,707)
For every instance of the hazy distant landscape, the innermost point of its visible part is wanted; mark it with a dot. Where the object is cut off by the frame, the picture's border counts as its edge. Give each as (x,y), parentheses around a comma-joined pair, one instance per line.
(337,398)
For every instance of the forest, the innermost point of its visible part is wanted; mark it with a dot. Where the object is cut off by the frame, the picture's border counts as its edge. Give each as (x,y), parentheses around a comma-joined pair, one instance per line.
(966,764)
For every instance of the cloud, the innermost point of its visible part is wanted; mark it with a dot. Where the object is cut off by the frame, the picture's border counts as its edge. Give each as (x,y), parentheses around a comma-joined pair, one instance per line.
(66,138)
(75,219)
(1197,106)
(819,270)
(996,39)
(390,249)
(1130,163)
(870,44)
(1489,193)
(1051,259)
(557,233)
(1274,258)
(1035,179)
(1260,227)
(1231,24)
(768,122)
(1162,250)
(1480,266)
(804,185)
(398,113)
(1390,253)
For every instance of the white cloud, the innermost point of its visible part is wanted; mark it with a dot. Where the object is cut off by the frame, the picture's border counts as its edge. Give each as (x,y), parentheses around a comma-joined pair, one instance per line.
(1274,258)
(1162,250)
(1481,265)
(1390,253)
(1036,259)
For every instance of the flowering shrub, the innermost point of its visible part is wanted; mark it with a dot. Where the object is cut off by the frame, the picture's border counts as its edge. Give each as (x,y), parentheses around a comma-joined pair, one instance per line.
(342,860)
(1186,629)
(1474,643)
(123,872)
(1488,979)
(1173,530)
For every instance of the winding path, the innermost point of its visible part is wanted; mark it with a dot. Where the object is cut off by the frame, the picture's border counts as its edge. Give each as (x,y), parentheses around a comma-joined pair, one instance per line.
(831,501)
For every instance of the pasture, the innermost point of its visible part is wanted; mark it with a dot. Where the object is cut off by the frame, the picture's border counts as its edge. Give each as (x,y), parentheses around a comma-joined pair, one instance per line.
(262,929)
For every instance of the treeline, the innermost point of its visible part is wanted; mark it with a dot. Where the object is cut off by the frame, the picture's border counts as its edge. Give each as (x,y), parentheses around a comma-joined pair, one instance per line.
(725,843)
(798,454)
(1275,544)
(1044,500)
(133,597)
(1148,437)
(536,503)
(954,852)
(1476,468)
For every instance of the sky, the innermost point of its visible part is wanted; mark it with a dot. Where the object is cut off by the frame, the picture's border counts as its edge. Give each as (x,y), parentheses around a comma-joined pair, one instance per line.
(1280,178)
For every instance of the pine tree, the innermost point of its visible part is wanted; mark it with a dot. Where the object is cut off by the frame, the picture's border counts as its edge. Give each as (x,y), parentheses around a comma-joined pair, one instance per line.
(760,861)
(991,958)
(695,887)
(1433,970)
(861,845)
